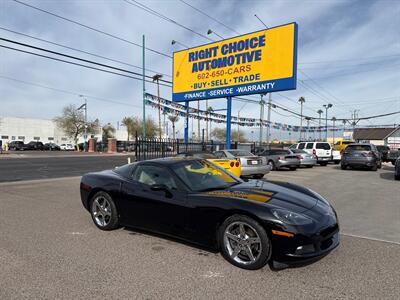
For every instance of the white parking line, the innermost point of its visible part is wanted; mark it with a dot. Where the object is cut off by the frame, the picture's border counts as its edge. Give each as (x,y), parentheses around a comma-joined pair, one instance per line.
(370,238)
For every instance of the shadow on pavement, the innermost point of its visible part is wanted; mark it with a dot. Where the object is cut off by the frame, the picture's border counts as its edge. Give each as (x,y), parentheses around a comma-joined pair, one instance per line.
(387,176)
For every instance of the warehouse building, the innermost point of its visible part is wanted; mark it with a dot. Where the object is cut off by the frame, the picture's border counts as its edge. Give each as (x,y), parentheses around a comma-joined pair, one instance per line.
(45,131)
(389,136)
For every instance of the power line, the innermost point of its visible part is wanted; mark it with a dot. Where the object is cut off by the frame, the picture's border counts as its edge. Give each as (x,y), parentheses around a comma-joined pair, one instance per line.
(77,64)
(161,16)
(67,91)
(91,28)
(77,58)
(349,59)
(82,51)
(207,15)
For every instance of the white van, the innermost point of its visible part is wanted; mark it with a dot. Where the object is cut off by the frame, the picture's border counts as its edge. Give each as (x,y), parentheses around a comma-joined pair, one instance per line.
(321,150)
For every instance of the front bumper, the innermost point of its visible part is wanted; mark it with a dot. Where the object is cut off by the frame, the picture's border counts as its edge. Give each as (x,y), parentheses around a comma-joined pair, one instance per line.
(303,248)
(255,170)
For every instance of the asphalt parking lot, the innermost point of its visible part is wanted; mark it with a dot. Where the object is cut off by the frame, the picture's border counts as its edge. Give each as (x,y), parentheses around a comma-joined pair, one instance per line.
(49,248)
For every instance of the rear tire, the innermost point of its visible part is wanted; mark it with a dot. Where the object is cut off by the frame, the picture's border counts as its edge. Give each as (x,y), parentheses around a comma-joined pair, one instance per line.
(310,166)
(259,176)
(104,212)
(244,242)
(323,164)
(343,166)
(374,168)
(396,177)
(337,162)
(293,168)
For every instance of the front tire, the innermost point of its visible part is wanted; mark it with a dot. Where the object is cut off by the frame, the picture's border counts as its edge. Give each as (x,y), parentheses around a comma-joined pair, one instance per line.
(244,242)
(104,212)
(293,168)
(343,166)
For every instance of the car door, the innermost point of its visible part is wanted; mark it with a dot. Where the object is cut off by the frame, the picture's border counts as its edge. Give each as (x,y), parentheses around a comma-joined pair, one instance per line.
(157,210)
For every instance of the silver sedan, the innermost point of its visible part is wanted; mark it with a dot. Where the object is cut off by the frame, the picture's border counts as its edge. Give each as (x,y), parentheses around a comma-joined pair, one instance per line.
(251,165)
(306,159)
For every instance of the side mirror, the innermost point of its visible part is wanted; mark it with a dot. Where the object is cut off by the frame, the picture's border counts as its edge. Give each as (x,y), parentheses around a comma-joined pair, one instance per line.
(161,187)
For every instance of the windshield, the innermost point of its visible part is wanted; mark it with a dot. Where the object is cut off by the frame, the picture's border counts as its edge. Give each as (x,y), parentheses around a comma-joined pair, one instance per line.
(240,153)
(201,175)
(203,155)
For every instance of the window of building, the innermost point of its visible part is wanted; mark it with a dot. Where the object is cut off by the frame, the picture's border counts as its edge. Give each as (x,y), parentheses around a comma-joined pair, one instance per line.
(63,139)
(50,138)
(21,137)
(36,138)
(4,137)
(13,138)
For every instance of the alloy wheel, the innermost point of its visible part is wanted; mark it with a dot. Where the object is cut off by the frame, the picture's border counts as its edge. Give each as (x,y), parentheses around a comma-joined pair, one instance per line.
(243,243)
(101,210)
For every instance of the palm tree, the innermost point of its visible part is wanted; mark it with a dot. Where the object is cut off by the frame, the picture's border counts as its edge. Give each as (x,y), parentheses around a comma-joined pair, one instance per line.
(173,119)
(209,111)
(128,122)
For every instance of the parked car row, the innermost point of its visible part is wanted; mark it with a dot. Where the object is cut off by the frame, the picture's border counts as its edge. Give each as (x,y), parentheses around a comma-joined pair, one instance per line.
(36,145)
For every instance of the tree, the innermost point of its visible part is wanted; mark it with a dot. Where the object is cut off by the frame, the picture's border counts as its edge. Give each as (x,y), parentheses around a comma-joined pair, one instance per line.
(108,132)
(173,119)
(72,122)
(135,125)
(220,134)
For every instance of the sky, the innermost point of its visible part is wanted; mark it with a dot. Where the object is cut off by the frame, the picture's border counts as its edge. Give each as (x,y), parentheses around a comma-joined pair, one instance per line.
(348,55)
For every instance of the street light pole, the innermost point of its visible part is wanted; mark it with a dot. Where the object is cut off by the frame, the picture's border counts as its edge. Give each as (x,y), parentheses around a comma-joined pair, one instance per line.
(238,117)
(319,112)
(327,106)
(262,102)
(157,78)
(269,119)
(333,120)
(85,125)
(301,100)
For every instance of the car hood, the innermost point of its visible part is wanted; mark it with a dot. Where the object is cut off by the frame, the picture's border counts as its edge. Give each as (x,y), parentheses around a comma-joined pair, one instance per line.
(272,193)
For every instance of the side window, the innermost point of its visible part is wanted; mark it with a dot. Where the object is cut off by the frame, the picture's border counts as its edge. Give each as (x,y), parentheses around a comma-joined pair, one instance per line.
(150,175)
(301,145)
(310,145)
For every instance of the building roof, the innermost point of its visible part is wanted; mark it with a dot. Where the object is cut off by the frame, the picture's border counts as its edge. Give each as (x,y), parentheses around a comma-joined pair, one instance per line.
(372,133)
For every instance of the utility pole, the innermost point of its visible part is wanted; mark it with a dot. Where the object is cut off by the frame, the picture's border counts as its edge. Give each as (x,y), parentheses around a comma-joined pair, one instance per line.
(301,100)
(319,122)
(144,89)
(262,102)
(269,119)
(327,106)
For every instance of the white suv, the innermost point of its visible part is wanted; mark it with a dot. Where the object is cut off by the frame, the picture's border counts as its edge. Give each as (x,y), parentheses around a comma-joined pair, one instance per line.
(321,150)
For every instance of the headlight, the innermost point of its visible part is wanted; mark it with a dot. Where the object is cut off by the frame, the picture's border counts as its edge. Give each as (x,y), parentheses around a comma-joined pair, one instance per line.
(290,218)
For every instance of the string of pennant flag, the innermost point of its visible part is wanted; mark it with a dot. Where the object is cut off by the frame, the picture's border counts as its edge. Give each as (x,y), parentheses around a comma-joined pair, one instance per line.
(170,107)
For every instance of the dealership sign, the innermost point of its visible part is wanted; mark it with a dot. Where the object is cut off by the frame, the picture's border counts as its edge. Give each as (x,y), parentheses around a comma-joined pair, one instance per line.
(254,63)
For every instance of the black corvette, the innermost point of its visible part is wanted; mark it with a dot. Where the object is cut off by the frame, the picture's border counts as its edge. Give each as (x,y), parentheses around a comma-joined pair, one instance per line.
(250,222)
